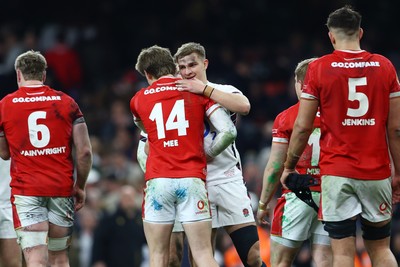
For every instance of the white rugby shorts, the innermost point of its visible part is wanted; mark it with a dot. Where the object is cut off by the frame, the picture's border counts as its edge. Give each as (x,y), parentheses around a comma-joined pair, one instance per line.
(167,199)
(294,220)
(344,198)
(28,210)
(230,204)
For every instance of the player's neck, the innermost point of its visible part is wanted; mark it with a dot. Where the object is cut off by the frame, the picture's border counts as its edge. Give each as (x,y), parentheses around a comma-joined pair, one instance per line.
(352,46)
(31,83)
(151,80)
(166,76)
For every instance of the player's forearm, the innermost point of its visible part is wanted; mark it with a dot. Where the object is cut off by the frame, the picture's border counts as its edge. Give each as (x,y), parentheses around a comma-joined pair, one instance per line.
(83,153)
(83,167)
(297,145)
(393,133)
(223,139)
(273,171)
(271,180)
(237,103)
(394,147)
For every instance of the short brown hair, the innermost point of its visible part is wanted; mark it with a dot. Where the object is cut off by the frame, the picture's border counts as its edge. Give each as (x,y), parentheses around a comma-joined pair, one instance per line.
(301,68)
(157,61)
(189,48)
(32,65)
(345,19)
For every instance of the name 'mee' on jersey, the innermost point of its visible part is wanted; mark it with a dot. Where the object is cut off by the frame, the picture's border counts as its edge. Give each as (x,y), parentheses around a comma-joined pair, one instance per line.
(174,122)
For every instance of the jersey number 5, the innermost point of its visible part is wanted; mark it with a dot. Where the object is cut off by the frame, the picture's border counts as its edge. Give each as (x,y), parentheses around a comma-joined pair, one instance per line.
(39,134)
(176,119)
(357,96)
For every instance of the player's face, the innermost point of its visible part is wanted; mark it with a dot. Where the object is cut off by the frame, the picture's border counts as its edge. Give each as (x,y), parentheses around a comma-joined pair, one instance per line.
(191,66)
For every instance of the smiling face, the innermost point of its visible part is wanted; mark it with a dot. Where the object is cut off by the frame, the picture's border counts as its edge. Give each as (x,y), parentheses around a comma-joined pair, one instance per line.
(193,65)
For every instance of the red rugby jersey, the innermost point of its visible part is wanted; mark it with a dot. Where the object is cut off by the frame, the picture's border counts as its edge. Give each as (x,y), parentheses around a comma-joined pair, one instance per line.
(37,123)
(174,122)
(353,89)
(309,160)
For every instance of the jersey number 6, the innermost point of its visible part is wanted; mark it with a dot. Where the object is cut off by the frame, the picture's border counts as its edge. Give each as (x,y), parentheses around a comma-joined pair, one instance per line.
(39,134)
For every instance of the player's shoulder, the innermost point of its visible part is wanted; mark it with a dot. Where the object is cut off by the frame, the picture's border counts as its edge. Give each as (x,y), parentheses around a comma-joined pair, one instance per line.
(225,87)
(321,60)
(286,118)
(380,58)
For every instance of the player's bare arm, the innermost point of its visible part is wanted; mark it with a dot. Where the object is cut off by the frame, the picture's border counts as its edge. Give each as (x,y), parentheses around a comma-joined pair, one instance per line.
(302,129)
(394,145)
(234,102)
(272,173)
(4,149)
(83,150)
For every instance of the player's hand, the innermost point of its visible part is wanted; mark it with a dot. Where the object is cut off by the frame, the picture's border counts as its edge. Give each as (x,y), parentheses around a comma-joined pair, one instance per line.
(396,189)
(193,85)
(79,197)
(263,213)
(284,176)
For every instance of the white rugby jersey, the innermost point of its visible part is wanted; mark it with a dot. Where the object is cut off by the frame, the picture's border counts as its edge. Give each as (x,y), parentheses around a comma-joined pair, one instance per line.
(226,166)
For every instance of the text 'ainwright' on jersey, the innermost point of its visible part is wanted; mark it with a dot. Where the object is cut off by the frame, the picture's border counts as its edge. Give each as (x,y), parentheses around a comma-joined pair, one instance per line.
(45,151)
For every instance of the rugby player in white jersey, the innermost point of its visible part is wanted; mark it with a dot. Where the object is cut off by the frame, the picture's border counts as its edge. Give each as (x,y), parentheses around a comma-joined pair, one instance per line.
(230,203)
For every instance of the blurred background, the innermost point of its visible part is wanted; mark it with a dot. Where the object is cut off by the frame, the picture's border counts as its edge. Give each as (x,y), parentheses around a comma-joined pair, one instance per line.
(92,46)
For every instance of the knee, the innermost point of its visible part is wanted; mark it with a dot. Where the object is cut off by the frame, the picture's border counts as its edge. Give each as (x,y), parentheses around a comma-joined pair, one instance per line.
(253,256)
(247,245)
(175,252)
(174,261)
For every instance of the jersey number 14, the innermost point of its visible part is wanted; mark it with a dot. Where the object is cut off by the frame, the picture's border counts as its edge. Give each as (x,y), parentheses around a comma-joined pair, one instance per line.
(176,119)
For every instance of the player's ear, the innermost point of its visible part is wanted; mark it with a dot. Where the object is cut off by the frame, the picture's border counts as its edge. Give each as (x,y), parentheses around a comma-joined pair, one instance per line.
(19,77)
(331,37)
(205,62)
(361,33)
(149,77)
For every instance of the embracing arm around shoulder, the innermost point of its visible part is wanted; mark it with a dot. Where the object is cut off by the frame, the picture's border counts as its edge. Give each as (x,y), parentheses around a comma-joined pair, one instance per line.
(233,102)
(226,132)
